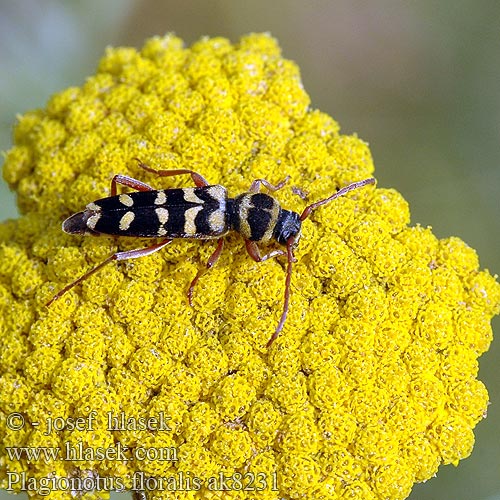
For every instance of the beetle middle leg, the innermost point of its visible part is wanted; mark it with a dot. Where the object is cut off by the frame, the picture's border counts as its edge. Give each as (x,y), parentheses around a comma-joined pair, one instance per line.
(210,263)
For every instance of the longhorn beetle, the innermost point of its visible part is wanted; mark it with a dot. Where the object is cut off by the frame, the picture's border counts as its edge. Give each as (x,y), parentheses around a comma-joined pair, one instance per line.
(202,212)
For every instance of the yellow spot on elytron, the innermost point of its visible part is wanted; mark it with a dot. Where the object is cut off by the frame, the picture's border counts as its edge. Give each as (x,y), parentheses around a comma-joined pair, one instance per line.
(217,221)
(162,214)
(189,195)
(218,192)
(245,205)
(161,198)
(189,224)
(93,207)
(92,220)
(126,200)
(126,220)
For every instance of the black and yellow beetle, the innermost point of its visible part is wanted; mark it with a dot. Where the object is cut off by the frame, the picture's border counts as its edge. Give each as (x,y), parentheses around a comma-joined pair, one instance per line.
(201,212)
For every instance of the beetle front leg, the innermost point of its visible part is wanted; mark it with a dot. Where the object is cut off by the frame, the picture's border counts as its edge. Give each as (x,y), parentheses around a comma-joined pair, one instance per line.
(254,252)
(257,183)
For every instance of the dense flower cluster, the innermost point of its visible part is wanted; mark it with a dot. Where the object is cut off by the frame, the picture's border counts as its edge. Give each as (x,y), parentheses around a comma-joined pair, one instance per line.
(371,385)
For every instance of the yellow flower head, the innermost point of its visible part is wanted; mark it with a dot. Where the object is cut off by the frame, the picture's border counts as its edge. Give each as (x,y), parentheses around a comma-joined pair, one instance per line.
(371,384)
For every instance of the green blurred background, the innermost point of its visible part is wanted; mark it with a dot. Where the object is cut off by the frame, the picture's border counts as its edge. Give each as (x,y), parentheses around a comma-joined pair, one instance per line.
(420,81)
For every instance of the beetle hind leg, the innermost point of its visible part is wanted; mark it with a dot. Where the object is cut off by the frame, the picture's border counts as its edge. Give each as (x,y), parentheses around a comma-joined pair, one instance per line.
(129,254)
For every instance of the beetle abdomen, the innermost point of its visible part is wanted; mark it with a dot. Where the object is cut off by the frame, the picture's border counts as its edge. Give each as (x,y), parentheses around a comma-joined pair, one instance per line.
(174,213)
(77,223)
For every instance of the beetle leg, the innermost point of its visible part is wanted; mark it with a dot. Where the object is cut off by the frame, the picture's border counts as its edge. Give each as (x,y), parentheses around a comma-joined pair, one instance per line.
(299,192)
(288,281)
(129,182)
(129,254)
(198,179)
(254,252)
(211,263)
(257,183)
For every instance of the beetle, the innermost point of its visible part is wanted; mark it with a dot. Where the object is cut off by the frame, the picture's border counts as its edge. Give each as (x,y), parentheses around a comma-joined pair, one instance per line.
(202,212)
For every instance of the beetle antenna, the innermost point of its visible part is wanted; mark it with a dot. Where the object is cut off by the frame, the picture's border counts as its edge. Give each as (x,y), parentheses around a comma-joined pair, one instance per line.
(291,259)
(341,192)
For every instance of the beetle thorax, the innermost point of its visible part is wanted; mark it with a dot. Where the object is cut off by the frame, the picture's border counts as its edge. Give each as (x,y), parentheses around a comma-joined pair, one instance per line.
(255,215)
(259,217)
